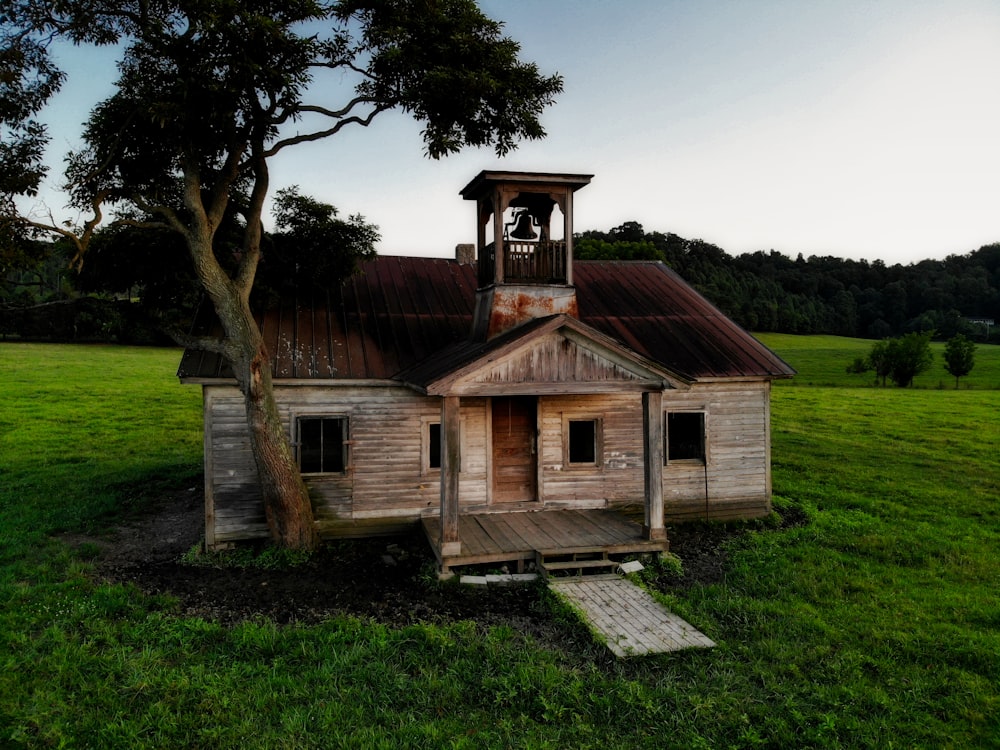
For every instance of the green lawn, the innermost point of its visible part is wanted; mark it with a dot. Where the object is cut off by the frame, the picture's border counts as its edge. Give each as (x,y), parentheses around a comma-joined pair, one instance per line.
(875,624)
(823,360)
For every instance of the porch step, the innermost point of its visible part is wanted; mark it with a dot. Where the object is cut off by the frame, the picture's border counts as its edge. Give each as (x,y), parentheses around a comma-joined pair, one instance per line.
(576,563)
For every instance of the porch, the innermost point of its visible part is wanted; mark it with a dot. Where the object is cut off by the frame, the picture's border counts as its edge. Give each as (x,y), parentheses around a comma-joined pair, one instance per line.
(517,536)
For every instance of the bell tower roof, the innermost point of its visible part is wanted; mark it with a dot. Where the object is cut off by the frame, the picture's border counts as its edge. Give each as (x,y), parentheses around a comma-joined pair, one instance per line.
(486,181)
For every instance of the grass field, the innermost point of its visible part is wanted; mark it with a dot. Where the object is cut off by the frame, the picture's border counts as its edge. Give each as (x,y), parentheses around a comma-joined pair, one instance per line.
(876,624)
(823,360)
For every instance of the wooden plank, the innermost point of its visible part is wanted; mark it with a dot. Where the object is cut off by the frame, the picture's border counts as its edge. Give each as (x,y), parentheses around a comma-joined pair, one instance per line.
(553,526)
(500,532)
(533,533)
(500,522)
(583,532)
(450,464)
(628,618)
(479,542)
(611,525)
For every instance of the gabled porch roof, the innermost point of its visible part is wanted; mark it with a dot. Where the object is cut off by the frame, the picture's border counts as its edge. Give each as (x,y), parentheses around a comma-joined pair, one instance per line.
(557,353)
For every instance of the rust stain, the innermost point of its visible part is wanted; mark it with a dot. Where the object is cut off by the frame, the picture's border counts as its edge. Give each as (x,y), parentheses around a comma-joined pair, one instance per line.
(511,308)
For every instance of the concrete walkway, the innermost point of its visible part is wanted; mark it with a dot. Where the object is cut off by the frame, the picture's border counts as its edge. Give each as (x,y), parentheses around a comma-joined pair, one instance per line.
(627,617)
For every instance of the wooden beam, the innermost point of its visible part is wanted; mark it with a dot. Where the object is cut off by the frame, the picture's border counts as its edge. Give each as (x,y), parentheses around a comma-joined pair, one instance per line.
(451,464)
(652,423)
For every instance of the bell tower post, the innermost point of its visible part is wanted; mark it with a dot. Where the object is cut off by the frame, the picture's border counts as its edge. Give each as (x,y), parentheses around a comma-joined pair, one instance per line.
(525,264)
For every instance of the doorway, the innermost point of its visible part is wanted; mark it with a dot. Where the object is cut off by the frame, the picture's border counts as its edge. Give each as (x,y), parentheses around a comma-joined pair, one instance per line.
(515,449)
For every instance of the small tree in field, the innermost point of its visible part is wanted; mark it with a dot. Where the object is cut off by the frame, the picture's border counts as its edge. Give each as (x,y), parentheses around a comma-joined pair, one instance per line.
(208,94)
(879,360)
(900,359)
(959,356)
(909,356)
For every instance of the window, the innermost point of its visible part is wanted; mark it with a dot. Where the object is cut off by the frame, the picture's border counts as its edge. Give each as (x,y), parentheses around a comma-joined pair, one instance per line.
(583,441)
(433,445)
(322,444)
(685,436)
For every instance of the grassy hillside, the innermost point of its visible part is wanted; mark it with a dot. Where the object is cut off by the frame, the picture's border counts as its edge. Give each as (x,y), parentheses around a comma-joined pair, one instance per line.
(823,360)
(876,623)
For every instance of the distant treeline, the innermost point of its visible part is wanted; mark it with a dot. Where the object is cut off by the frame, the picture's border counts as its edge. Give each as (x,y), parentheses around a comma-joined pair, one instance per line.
(769,291)
(762,291)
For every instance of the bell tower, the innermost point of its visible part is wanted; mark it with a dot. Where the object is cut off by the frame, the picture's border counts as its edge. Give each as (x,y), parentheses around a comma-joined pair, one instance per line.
(524,247)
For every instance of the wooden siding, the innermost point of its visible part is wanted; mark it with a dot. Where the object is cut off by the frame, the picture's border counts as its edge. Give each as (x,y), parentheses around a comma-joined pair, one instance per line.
(618,476)
(388,485)
(735,481)
(549,365)
(385,479)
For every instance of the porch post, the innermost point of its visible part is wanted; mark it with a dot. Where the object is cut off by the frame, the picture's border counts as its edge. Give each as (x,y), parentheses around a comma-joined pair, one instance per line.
(652,423)
(451,462)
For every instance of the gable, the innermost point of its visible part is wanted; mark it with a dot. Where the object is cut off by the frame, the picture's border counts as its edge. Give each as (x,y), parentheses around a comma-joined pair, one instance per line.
(557,355)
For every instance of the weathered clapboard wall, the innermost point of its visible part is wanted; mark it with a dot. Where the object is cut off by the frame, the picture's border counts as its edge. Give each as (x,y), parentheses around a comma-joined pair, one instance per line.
(386,486)
(735,481)
(618,476)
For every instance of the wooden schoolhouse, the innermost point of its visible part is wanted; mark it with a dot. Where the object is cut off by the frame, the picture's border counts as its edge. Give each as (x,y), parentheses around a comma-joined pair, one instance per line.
(510,399)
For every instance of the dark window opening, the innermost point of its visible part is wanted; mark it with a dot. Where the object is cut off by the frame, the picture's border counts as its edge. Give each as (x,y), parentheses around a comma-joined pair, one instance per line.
(583,441)
(685,436)
(322,445)
(434,445)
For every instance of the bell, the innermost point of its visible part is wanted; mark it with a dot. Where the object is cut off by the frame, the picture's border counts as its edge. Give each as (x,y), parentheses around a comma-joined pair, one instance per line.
(522,227)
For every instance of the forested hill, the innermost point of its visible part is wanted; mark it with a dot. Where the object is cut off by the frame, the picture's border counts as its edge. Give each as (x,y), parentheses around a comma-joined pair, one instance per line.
(768,291)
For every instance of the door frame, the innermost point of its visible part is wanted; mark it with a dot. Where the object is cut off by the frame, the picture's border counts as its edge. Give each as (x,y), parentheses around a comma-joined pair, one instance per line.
(534,450)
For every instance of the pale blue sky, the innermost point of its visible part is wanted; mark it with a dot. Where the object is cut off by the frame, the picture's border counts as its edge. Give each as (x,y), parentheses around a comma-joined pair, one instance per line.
(833,127)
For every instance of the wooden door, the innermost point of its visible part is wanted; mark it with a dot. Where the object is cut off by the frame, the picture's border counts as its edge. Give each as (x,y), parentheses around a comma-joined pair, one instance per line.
(514,449)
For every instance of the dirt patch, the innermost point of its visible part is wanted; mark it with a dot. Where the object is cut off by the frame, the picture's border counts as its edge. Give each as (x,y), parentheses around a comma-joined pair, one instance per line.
(388,580)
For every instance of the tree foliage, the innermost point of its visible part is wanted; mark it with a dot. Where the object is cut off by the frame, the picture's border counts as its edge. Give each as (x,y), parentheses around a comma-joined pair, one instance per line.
(959,356)
(900,359)
(909,356)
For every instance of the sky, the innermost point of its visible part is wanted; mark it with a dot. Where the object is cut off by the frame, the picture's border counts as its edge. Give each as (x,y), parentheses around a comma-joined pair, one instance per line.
(856,129)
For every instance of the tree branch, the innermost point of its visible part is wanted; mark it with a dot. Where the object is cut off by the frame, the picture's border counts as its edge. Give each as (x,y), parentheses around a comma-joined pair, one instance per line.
(247,269)
(335,114)
(80,241)
(203,343)
(320,135)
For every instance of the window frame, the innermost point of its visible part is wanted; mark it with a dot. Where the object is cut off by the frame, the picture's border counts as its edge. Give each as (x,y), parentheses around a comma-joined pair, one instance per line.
(703,460)
(598,422)
(345,440)
(426,423)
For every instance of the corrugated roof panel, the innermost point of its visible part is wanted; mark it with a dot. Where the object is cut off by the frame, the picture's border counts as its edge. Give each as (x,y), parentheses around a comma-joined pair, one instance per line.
(400,311)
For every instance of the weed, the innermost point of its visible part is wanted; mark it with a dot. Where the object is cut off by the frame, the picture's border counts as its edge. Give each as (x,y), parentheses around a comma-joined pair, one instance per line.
(247,556)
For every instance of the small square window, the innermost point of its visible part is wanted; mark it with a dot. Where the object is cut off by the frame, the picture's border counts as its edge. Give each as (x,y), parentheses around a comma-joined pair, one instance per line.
(685,436)
(583,441)
(322,445)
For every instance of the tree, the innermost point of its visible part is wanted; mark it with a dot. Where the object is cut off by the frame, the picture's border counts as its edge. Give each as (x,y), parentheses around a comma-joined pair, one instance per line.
(959,356)
(909,356)
(206,96)
(901,358)
(880,359)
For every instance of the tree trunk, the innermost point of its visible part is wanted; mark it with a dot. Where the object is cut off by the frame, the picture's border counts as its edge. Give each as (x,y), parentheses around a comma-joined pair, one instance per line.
(287,506)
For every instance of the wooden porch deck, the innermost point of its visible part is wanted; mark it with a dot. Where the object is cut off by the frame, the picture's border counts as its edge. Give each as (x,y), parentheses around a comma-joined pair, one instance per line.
(515,537)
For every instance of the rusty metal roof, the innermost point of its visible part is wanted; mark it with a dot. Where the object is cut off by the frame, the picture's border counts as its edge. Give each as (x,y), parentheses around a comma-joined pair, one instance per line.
(399,312)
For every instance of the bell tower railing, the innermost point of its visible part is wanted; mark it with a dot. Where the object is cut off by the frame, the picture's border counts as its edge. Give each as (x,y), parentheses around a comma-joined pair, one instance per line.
(525,263)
